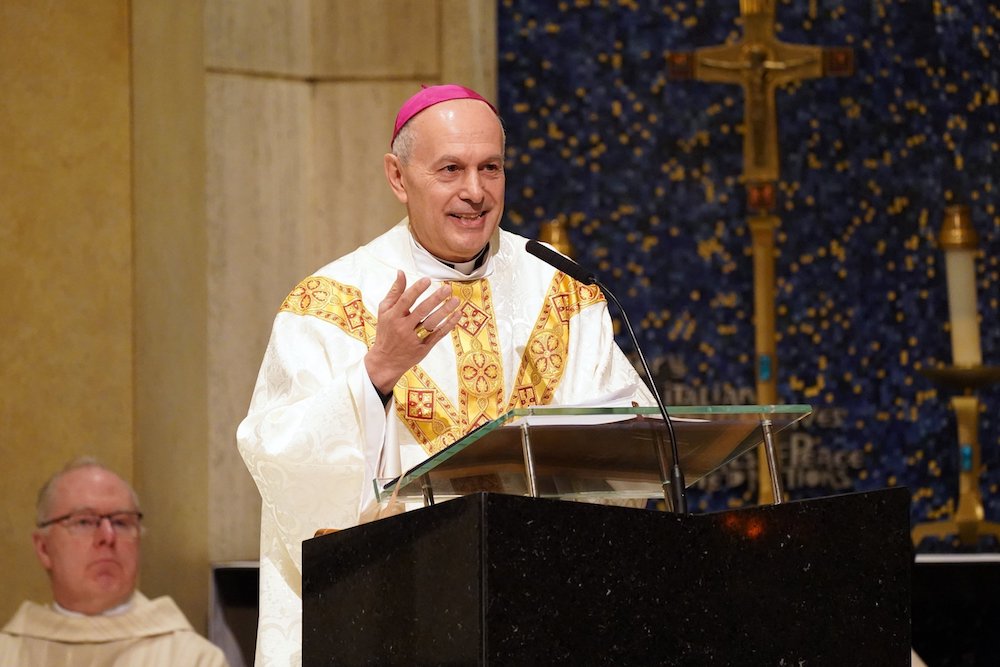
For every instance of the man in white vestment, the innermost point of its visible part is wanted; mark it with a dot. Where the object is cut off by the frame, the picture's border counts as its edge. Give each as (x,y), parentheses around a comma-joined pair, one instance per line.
(398,349)
(87,539)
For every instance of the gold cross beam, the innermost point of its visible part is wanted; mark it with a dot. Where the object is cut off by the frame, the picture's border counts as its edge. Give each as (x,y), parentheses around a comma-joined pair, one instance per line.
(760,63)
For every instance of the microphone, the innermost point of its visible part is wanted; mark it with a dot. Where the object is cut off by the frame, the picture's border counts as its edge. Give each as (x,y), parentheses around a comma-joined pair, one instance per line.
(577,272)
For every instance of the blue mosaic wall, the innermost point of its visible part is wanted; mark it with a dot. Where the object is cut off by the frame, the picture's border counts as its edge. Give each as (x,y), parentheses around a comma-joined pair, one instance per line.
(645,173)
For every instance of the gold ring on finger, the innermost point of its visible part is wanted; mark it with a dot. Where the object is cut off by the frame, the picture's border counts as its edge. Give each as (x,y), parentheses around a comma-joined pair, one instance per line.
(423,332)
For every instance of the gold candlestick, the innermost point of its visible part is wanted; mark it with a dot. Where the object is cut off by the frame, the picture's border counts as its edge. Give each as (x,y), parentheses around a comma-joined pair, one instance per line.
(554,233)
(958,239)
(968,521)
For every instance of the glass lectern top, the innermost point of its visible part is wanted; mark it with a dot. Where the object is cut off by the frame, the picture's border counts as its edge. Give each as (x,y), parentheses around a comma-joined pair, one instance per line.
(596,452)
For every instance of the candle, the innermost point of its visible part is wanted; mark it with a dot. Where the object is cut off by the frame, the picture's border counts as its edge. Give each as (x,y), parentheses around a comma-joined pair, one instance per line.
(958,239)
(962,309)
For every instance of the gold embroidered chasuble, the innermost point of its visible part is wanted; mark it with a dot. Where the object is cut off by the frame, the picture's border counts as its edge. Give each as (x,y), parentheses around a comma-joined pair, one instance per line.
(433,419)
(316,433)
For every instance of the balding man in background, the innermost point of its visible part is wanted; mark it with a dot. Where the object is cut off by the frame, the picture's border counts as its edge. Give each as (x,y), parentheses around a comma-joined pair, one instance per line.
(89,528)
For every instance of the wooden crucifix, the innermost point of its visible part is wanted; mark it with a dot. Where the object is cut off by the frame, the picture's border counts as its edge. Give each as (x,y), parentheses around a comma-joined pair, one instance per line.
(760,63)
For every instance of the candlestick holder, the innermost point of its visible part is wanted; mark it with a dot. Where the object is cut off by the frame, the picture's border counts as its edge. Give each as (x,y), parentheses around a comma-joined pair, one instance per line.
(554,233)
(958,239)
(968,520)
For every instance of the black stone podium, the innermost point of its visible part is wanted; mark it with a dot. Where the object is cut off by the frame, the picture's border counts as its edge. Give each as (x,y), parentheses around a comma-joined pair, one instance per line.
(496,579)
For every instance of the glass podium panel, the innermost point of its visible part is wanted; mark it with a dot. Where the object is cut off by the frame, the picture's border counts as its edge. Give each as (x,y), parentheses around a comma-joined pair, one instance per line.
(589,453)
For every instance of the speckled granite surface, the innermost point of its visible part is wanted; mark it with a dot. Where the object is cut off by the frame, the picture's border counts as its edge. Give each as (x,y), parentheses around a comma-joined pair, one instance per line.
(503,580)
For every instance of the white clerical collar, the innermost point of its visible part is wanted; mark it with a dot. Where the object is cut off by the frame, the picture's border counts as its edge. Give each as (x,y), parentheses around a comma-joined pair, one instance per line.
(434,267)
(472,264)
(114,611)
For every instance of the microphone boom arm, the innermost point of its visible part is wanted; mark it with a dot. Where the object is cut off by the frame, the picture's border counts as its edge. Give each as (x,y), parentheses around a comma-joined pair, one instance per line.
(678,493)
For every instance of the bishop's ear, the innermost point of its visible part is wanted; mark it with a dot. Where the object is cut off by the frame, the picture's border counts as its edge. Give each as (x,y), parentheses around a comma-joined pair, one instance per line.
(394,174)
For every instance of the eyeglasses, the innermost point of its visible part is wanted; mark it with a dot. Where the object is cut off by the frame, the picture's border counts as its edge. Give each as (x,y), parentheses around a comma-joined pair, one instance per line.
(125,524)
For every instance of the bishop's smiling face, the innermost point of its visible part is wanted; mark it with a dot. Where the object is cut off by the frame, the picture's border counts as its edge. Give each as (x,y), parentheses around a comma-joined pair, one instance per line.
(452,183)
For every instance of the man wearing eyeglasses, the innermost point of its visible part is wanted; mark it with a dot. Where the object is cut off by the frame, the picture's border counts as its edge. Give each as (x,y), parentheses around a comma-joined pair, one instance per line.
(88,534)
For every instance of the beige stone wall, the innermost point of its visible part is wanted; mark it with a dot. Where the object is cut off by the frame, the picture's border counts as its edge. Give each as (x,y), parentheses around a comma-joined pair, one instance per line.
(169,171)
(65,259)
(170,245)
(300,103)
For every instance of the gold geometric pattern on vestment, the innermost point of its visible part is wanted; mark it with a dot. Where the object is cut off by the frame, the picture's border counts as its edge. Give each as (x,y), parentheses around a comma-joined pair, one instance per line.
(428,414)
(420,404)
(480,373)
(548,352)
(477,351)
(334,302)
(473,319)
(544,359)
(433,420)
